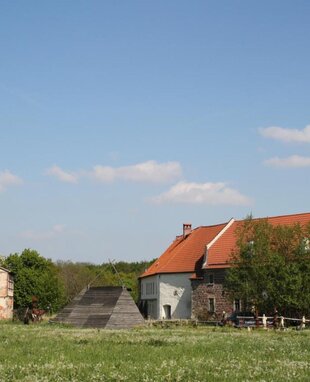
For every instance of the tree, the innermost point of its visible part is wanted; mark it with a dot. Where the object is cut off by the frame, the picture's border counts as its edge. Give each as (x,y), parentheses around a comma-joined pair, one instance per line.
(76,276)
(35,277)
(271,267)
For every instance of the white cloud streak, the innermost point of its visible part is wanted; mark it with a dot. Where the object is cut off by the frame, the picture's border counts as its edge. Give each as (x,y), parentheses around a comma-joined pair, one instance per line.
(55,231)
(286,135)
(7,179)
(202,193)
(149,172)
(294,161)
(145,172)
(63,176)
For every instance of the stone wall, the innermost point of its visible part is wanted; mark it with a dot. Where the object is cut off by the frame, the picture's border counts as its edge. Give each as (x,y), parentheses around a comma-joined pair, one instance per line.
(204,289)
(6,308)
(6,296)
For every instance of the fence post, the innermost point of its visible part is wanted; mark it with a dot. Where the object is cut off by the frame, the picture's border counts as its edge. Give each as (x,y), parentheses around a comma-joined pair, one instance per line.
(264,319)
(303,322)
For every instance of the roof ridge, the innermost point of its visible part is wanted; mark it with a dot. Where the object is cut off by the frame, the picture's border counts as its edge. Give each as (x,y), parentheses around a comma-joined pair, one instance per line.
(222,231)
(215,239)
(276,216)
(177,241)
(210,226)
(174,254)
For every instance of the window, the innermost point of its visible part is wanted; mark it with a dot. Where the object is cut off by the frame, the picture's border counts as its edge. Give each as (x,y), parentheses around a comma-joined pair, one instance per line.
(10,283)
(211,304)
(211,279)
(150,288)
(237,305)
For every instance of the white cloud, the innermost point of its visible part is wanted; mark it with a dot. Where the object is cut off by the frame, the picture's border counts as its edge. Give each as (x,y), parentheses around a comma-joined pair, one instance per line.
(149,171)
(104,174)
(68,177)
(287,135)
(56,230)
(202,193)
(8,179)
(290,162)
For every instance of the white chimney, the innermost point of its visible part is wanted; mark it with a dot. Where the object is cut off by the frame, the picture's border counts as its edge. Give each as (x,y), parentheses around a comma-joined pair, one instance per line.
(187,229)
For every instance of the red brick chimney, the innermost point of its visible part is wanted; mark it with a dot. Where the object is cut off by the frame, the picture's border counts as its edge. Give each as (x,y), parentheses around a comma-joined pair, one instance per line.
(187,229)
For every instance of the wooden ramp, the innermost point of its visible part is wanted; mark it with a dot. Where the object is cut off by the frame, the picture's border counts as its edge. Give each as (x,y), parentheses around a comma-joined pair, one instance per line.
(102,307)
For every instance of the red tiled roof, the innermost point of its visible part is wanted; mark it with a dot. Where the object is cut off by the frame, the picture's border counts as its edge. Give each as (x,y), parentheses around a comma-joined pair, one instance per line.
(185,253)
(220,252)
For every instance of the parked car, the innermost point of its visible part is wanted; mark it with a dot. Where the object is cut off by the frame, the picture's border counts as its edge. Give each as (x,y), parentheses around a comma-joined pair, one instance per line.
(247,321)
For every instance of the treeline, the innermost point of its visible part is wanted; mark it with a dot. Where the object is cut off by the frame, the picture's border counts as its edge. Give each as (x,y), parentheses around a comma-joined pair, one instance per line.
(52,285)
(75,276)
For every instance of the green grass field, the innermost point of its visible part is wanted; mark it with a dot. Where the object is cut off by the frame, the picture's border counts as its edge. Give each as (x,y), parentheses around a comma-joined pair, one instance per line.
(49,353)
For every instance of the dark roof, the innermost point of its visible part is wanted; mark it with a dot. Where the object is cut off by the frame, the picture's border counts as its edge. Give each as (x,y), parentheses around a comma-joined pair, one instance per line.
(102,307)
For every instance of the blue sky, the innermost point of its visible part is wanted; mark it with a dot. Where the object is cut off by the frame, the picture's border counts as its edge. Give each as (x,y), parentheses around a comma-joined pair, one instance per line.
(121,120)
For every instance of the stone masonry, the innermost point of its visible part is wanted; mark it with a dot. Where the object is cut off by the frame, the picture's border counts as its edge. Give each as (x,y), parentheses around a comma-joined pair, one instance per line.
(6,294)
(210,286)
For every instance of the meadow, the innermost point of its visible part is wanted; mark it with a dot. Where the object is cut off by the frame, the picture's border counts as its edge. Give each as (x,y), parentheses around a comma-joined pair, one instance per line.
(46,352)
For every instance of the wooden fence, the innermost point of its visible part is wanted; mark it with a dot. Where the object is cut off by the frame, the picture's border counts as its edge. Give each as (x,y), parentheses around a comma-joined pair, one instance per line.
(277,322)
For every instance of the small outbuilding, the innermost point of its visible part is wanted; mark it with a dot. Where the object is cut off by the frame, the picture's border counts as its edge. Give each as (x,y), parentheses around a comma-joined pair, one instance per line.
(105,307)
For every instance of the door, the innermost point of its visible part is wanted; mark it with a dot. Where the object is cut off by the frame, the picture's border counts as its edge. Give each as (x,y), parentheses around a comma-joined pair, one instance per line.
(167,312)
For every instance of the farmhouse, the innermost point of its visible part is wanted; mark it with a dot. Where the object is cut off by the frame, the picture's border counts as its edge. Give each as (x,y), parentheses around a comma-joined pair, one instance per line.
(165,287)
(6,294)
(187,279)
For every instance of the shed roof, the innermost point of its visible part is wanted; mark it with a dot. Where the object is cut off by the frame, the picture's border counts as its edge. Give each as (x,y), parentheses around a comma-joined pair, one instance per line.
(108,307)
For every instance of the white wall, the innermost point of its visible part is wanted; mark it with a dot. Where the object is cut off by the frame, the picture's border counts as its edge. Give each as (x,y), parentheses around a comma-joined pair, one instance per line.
(150,292)
(175,290)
